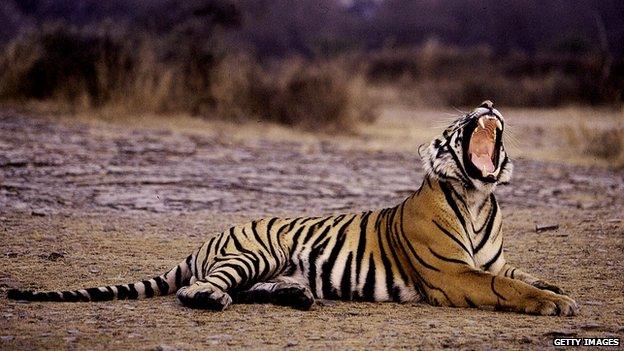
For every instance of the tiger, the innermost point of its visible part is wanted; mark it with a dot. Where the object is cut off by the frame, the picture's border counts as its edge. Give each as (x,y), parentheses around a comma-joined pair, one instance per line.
(442,245)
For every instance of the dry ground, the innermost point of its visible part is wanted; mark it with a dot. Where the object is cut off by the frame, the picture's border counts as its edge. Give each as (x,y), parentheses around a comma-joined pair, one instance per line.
(85,203)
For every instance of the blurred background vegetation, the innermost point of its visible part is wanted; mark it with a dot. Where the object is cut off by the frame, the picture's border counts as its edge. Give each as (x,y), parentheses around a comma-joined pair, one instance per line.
(322,64)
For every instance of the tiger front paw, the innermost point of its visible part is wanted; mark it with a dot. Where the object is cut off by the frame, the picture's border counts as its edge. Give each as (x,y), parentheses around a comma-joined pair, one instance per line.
(551,304)
(542,285)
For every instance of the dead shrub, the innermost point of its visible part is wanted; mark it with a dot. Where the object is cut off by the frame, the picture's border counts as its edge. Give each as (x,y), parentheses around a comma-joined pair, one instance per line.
(435,74)
(605,144)
(317,95)
(177,73)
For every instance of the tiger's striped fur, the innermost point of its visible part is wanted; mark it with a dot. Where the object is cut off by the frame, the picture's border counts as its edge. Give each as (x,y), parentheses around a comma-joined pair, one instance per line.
(442,244)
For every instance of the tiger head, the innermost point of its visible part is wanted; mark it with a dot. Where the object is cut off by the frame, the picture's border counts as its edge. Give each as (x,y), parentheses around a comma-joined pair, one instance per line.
(471,150)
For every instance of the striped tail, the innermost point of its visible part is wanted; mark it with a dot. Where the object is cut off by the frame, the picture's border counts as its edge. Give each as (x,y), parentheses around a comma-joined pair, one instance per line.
(164,284)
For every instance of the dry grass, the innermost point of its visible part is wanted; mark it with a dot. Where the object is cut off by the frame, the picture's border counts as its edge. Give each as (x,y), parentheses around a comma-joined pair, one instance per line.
(604,143)
(441,75)
(85,70)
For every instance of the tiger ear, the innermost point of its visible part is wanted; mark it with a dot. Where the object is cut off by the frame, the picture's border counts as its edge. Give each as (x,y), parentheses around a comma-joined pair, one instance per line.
(487,104)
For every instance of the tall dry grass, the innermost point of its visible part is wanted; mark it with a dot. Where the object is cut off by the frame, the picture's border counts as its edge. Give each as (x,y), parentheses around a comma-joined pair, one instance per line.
(602,143)
(82,70)
(435,74)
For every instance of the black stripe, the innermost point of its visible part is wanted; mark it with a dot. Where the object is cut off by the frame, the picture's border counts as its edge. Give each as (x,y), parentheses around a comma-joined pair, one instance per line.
(369,285)
(133,293)
(122,292)
(326,268)
(147,286)
(317,249)
(490,224)
(464,175)
(96,294)
(251,256)
(226,275)
(489,263)
(409,246)
(163,286)
(420,281)
(394,244)
(178,277)
(216,275)
(72,296)
(233,281)
(469,302)
(345,282)
(392,235)
(451,202)
(186,281)
(312,229)
(418,258)
(267,265)
(443,258)
(307,219)
(269,238)
(494,290)
(450,235)
(361,247)
(254,230)
(295,239)
(387,266)
(247,272)
(82,297)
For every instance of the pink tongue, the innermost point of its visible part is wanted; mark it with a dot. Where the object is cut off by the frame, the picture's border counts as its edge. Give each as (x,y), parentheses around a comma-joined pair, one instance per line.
(482,161)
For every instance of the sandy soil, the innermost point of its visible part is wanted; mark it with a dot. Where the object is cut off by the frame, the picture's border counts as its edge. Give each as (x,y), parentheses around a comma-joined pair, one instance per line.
(86,203)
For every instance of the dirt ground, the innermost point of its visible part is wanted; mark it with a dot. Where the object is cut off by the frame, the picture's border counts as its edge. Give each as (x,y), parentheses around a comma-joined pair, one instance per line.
(86,202)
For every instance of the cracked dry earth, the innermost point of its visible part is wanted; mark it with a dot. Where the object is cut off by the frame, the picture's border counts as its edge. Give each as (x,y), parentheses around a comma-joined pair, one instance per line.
(86,204)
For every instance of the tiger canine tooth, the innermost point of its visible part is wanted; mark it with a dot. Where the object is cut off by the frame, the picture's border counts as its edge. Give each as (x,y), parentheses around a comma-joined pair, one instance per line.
(482,122)
(499,125)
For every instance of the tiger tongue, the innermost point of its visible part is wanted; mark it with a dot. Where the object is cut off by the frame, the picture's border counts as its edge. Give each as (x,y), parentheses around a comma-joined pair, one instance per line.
(483,162)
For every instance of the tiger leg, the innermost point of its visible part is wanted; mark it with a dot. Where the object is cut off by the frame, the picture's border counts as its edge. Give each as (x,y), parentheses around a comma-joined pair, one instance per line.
(281,291)
(204,295)
(512,272)
(475,288)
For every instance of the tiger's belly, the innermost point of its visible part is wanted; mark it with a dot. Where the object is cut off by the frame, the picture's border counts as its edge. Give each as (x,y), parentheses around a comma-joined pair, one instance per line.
(342,272)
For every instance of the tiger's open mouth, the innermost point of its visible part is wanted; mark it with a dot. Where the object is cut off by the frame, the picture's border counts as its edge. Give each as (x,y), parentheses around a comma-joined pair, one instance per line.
(482,147)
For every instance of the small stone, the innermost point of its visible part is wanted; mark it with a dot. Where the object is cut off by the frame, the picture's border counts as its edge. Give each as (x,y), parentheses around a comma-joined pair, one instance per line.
(526,340)
(292,343)
(7,337)
(545,227)
(560,333)
(94,270)
(73,331)
(591,326)
(52,256)
(593,303)
(109,228)
(38,213)
(164,348)
(326,303)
